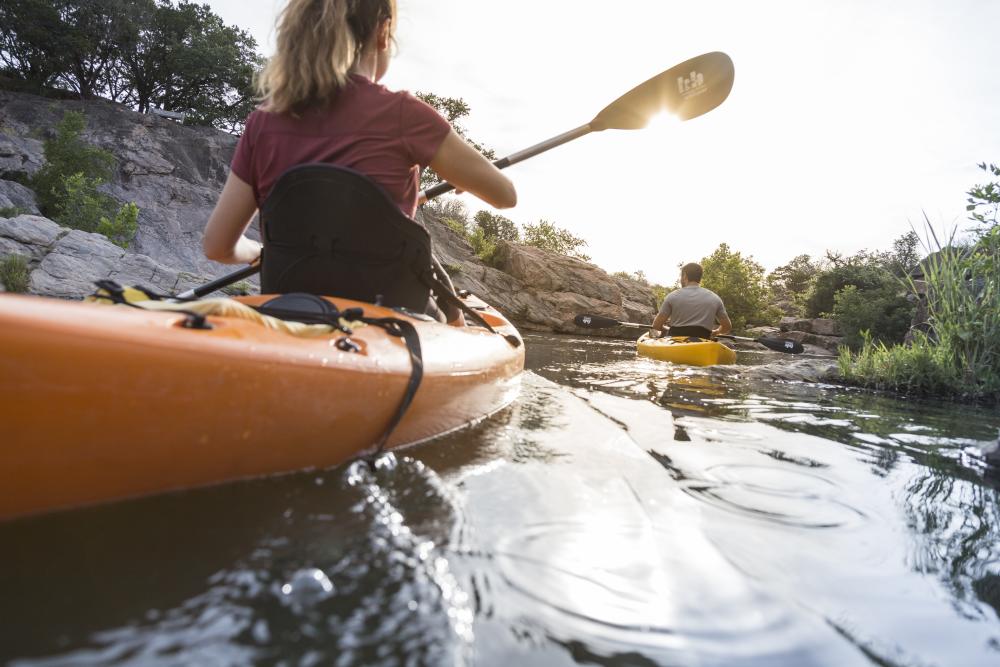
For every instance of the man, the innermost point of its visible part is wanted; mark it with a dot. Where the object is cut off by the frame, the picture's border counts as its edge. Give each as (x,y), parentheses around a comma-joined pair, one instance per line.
(692,310)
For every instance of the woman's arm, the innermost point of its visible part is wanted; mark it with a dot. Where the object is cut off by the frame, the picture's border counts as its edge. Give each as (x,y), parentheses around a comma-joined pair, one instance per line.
(223,239)
(464,167)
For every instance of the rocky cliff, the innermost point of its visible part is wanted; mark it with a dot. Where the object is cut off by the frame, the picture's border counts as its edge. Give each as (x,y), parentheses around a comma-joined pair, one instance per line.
(175,173)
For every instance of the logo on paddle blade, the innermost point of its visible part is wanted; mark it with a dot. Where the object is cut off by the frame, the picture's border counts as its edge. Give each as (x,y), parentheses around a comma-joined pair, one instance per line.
(691,85)
(789,345)
(586,319)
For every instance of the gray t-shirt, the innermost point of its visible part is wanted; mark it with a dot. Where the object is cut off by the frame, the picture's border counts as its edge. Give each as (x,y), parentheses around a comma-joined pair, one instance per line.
(693,306)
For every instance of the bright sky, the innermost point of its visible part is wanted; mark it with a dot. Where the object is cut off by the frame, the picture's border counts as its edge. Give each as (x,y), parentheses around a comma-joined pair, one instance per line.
(849,119)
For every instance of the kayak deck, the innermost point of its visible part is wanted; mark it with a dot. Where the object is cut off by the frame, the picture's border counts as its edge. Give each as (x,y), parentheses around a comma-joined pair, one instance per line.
(684,350)
(106,402)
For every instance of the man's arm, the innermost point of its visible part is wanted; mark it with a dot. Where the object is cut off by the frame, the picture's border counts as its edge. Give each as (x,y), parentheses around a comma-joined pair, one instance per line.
(725,325)
(659,322)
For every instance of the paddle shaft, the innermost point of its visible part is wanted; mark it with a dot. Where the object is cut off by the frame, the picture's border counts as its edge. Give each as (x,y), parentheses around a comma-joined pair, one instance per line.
(520,156)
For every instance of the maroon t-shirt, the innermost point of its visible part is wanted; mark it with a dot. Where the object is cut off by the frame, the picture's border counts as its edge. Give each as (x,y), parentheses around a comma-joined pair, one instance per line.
(387,136)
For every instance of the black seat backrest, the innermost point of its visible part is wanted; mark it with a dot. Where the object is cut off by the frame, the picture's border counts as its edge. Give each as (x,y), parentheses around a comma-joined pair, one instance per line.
(331,231)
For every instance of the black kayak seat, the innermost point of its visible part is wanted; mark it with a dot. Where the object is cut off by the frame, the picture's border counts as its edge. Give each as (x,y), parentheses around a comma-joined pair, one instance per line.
(331,231)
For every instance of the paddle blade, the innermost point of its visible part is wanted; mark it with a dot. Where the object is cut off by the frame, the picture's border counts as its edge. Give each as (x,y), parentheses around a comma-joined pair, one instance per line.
(687,91)
(781,345)
(595,322)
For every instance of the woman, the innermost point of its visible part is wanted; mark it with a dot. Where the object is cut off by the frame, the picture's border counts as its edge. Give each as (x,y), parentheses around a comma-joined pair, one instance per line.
(322,103)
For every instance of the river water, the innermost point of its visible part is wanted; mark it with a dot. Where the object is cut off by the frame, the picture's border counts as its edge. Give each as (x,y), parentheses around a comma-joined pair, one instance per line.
(621,512)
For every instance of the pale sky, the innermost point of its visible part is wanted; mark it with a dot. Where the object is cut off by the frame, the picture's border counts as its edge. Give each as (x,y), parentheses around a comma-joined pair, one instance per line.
(848,120)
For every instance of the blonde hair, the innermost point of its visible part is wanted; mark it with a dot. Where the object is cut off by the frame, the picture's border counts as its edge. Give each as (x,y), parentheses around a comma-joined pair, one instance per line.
(318,42)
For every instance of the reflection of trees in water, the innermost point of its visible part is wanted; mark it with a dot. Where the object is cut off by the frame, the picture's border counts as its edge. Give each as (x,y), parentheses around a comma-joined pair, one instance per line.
(957,527)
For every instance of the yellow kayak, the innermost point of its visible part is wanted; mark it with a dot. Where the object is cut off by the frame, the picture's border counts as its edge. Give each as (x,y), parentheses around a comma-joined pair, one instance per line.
(685,350)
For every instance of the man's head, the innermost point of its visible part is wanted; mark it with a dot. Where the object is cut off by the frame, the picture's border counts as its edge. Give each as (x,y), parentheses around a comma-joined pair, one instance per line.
(690,273)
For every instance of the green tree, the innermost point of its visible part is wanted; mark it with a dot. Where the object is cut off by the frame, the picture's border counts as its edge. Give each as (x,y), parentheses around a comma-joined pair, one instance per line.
(143,53)
(496,227)
(547,236)
(453,109)
(33,45)
(984,200)
(739,281)
(791,282)
(865,270)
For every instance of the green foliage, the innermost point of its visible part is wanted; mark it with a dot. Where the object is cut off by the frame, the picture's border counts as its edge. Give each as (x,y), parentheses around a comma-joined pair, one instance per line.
(457,225)
(637,276)
(739,281)
(881,314)
(547,236)
(961,356)
(865,270)
(67,185)
(660,292)
(453,109)
(14,273)
(67,154)
(922,368)
(496,227)
(176,55)
(32,40)
(791,282)
(12,211)
(984,200)
(123,227)
(484,246)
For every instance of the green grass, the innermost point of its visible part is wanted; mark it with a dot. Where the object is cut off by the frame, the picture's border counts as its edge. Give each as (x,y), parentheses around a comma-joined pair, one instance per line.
(960,358)
(14,273)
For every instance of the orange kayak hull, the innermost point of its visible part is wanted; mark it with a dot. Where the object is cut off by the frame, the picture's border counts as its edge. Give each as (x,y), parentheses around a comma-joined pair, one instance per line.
(101,403)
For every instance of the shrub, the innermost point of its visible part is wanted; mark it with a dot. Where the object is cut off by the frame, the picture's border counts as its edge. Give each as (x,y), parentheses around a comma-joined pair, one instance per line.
(457,226)
(14,273)
(547,236)
(484,246)
(496,227)
(12,211)
(122,229)
(65,155)
(67,185)
(883,313)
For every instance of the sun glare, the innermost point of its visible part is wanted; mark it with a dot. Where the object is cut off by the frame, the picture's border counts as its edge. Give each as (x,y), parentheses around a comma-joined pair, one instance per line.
(663,123)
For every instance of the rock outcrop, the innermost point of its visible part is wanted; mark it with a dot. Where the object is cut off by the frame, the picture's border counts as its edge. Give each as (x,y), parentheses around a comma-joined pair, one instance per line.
(821,332)
(65,263)
(540,290)
(175,173)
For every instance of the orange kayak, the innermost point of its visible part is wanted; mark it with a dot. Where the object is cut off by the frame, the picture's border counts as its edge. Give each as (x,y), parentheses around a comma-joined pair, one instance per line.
(102,402)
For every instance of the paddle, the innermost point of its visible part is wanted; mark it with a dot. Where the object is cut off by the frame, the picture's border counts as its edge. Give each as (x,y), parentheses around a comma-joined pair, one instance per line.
(687,90)
(776,344)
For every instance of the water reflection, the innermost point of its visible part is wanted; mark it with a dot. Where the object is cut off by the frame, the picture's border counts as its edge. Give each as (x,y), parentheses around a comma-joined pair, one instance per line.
(621,512)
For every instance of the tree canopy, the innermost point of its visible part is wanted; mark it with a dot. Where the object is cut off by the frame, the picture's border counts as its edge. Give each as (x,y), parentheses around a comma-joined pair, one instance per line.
(178,56)
(739,281)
